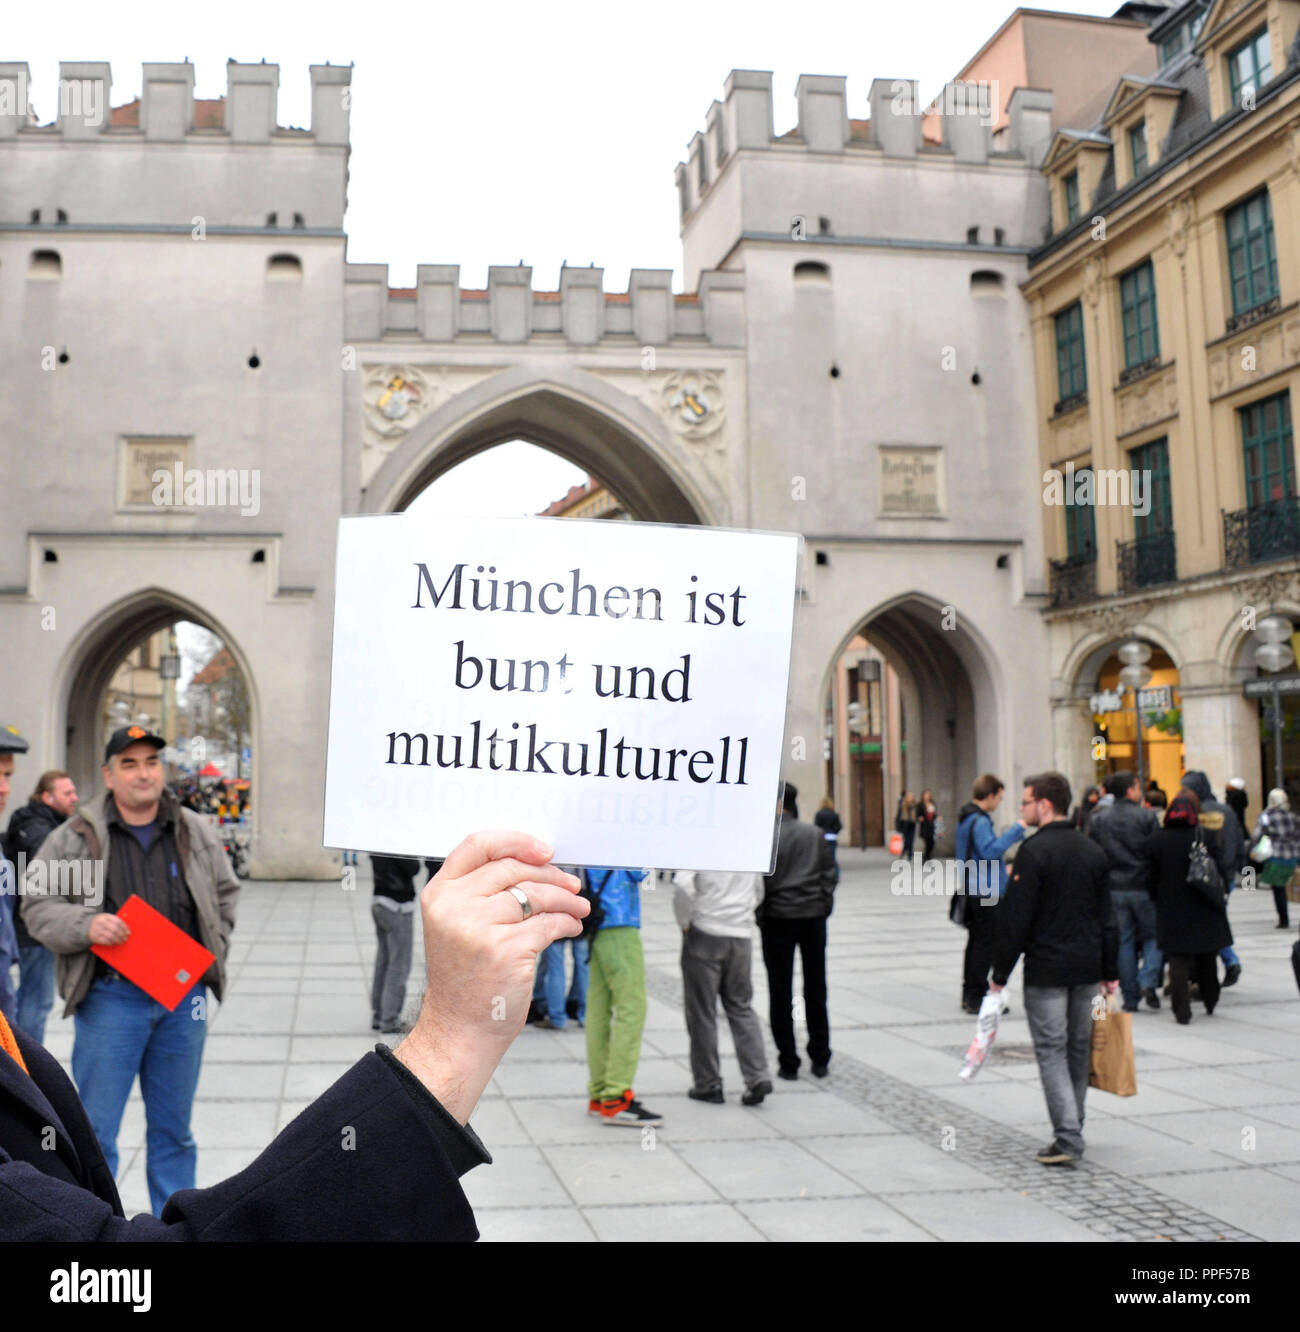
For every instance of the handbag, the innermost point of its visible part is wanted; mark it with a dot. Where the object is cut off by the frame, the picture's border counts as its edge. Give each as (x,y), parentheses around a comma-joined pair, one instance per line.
(1203,874)
(1263,849)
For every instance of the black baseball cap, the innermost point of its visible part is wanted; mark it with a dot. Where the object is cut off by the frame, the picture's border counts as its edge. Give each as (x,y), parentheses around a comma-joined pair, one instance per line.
(10,741)
(125,736)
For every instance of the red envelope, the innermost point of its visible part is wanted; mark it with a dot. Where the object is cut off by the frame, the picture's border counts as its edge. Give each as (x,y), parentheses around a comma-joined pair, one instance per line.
(158,957)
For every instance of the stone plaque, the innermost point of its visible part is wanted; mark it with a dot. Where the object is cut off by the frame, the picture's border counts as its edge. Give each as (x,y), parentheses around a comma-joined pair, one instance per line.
(141,458)
(911,480)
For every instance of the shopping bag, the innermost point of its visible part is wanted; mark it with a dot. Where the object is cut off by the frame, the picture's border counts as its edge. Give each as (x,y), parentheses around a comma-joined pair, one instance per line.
(1113,1067)
(986,1030)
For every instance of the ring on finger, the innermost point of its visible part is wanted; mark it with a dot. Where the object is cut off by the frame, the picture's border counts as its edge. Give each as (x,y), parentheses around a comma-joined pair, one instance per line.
(522,898)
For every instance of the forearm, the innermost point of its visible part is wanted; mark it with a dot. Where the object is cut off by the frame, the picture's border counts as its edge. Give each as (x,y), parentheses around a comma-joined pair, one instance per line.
(454,1070)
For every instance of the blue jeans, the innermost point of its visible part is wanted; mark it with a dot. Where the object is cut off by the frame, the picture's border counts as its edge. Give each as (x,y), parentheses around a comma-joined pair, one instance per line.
(35,989)
(120,1032)
(1137,935)
(578,986)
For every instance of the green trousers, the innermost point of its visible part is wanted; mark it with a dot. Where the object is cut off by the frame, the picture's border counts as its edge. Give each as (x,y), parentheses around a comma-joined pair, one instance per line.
(615,1010)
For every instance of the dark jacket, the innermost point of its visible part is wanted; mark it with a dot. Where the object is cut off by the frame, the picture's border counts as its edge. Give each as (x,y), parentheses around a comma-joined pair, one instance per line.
(395,877)
(1237,800)
(1217,818)
(1121,830)
(1186,921)
(397,1181)
(802,884)
(1057,912)
(828,821)
(29,826)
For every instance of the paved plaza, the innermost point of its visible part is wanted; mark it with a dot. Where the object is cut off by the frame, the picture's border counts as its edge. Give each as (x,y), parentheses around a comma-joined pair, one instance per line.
(890,1146)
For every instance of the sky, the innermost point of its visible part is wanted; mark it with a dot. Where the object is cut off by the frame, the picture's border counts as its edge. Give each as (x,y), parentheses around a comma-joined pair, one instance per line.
(489,134)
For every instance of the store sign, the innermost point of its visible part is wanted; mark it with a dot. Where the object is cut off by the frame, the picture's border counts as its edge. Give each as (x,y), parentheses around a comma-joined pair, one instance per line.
(1108,700)
(1159,699)
(1285,684)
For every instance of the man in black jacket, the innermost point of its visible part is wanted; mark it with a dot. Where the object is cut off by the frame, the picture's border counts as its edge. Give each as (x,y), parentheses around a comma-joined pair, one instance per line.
(53,801)
(1121,830)
(378,1156)
(798,896)
(1057,912)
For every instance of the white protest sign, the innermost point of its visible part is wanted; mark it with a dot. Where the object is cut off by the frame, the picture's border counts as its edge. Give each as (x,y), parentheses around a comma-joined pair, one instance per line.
(616,689)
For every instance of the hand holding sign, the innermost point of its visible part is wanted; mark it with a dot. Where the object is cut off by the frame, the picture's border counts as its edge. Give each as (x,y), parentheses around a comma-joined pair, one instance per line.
(481,951)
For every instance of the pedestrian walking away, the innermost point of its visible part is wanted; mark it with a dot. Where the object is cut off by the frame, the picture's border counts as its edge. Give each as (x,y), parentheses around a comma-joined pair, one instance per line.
(831,825)
(172,859)
(905,821)
(1190,927)
(798,897)
(1277,838)
(392,908)
(1057,912)
(1217,818)
(616,999)
(983,880)
(716,915)
(1122,830)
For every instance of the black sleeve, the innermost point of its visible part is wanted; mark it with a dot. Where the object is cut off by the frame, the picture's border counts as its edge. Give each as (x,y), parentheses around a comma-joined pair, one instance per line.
(1109,928)
(1016,913)
(367,1160)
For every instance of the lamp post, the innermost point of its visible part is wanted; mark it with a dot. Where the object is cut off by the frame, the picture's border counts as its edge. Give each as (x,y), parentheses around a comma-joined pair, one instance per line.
(1133,675)
(1273,653)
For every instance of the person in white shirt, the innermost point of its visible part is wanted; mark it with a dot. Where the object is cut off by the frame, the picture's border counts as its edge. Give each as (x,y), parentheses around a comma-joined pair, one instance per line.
(716,913)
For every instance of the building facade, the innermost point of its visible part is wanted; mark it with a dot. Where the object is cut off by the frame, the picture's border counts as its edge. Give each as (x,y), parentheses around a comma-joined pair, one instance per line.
(1166,325)
(851,359)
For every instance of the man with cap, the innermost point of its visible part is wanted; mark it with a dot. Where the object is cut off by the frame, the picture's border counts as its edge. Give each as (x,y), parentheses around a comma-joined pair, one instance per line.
(11,743)
(153,848)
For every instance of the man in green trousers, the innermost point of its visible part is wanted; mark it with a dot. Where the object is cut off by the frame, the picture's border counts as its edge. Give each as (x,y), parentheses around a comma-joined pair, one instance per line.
(616,998)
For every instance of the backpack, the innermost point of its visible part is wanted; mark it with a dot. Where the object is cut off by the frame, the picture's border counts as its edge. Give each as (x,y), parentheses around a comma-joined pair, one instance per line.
(596,917)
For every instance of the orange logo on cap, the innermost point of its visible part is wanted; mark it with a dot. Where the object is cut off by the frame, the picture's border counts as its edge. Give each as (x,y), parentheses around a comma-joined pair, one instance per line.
(135,732)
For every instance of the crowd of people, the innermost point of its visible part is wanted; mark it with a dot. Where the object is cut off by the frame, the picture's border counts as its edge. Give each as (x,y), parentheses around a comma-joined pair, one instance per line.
(1109,894)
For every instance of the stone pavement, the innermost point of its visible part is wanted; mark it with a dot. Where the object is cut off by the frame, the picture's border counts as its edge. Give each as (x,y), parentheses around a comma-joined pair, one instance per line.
(891,1146)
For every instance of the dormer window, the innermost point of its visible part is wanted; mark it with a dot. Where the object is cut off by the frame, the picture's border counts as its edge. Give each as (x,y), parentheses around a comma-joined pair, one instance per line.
(1137,147)
(1071,187)
(1250,66)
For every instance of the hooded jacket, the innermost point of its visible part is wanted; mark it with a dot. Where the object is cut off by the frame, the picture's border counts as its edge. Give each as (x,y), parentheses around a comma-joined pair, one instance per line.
(1216,817)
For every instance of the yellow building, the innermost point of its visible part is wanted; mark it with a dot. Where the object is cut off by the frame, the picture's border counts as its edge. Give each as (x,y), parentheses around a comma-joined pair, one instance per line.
(1165,310)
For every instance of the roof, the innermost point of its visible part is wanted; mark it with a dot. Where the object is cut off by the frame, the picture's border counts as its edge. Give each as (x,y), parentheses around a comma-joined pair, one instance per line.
(209,113)
(217,669)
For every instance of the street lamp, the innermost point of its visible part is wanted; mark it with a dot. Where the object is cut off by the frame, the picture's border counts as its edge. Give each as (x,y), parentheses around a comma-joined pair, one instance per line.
(1273,653)
(1133,675)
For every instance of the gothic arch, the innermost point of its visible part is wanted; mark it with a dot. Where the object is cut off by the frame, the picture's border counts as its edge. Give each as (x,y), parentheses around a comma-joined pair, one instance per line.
(94,655)
(575,414)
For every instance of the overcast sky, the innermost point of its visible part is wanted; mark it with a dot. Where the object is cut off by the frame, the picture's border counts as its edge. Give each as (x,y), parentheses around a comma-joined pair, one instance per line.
(490,133)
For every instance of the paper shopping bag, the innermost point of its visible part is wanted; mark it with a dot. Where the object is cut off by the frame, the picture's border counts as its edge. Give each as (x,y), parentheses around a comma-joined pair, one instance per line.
(1113,1067)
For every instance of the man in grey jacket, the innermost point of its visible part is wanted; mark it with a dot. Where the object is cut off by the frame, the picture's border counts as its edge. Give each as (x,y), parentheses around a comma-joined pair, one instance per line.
(139,841)
(716,913)
(798,899)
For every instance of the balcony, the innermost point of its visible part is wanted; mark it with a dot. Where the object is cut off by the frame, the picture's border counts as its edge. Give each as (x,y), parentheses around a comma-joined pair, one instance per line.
(1254,315)
(1267,532)
(1146,562)
(1074,580)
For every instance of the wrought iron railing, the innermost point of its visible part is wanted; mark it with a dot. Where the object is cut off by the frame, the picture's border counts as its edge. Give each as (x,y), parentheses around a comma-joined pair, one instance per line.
(1146,562)
(1254,315)
(1069,404)
(1074,579)
(1265,532)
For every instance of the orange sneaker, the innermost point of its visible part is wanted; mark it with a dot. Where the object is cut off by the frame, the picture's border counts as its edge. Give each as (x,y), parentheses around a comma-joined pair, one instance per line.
(628,1111)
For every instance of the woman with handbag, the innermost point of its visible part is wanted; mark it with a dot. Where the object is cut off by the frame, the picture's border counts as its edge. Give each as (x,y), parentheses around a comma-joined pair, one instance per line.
(926,814)
(1275,848)
(1186,879)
